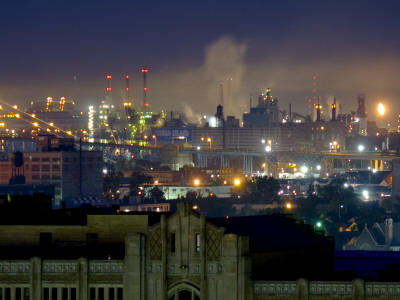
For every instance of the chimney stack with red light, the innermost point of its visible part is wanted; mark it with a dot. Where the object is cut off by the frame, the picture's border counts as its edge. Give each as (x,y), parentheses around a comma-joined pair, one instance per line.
(108,89)
(144,71)
(127,88)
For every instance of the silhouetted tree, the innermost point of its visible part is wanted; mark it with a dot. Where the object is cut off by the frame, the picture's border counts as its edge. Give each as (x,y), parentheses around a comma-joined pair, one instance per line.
(137,180)
(260,190)
(111,182)
(156,195)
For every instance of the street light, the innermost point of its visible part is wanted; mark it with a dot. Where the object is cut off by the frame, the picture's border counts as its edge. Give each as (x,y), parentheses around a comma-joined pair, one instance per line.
(155,139)
(209,140)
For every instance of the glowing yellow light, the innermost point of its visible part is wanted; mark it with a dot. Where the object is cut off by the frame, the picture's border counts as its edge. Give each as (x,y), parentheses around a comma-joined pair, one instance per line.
(288,205)
(237,181)
(381,108)
(35,124)
(196,182)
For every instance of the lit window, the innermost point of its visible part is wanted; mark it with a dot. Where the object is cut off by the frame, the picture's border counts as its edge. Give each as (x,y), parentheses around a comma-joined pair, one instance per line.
(197,242)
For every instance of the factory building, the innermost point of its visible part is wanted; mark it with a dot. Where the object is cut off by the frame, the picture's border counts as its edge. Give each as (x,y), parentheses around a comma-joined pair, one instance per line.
(73,174)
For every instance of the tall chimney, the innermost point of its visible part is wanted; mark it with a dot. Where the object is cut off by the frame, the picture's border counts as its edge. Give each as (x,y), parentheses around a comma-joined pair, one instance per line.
(334,110)
(144,71)
(318,107)
(290,112)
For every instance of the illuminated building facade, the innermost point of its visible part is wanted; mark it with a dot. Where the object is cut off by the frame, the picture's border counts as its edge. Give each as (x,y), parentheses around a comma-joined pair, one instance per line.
(74,174)
(171,256)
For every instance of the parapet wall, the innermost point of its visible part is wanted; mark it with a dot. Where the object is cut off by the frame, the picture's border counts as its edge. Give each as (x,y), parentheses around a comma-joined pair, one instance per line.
(323,290)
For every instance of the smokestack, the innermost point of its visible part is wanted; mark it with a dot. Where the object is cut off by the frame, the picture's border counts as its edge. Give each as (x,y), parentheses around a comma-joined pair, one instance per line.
(108,89)
(228,105)
(290,112)
(127,88)
(334,110)
(251,101)
(221,94)
(144,71)
(318,107)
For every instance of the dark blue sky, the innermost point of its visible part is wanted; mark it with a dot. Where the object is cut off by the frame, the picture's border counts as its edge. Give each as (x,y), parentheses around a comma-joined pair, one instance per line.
(190,46)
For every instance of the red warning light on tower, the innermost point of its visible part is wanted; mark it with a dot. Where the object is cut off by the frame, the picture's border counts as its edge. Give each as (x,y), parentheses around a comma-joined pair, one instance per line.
(145,88)
(109,76)
(127,77)
(108,89)
(268,90)
(144,70)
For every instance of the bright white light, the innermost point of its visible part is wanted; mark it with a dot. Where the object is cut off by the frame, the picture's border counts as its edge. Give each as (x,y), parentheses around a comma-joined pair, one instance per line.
(361,148)
(374,171)
(345,185)
(303,169)
(212,121)
(381,109)
(268,148)
(198,148)
(318,167)
(104,171)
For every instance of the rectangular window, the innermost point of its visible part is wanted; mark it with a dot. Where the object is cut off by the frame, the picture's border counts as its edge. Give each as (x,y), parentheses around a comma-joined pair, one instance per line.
(101,293)
(73,293)
(111,294)
(18,293)
(92,294)
(26,293)
(54,294)
(173,242)
(197,242)
(119,294)
(46,295)
(64,293)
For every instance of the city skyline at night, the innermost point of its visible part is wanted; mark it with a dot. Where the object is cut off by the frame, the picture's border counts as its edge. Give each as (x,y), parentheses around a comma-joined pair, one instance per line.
(67,49)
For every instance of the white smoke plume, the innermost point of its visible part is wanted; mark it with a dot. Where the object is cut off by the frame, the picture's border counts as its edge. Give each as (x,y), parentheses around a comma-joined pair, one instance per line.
(224,59)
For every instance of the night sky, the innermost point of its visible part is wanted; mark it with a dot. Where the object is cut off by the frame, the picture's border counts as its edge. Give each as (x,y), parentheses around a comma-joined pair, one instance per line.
(190,46)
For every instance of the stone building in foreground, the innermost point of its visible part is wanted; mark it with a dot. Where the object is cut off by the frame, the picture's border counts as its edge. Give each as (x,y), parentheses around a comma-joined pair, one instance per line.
(171,256)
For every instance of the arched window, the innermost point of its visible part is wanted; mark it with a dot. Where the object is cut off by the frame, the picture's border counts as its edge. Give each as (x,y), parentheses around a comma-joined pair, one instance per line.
(183,291)
(365,246)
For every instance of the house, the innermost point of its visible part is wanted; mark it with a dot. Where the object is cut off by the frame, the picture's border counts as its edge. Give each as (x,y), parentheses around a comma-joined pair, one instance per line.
(380,237)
